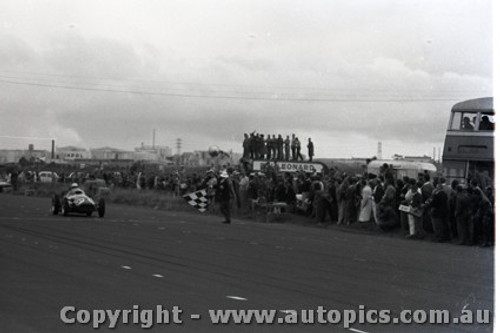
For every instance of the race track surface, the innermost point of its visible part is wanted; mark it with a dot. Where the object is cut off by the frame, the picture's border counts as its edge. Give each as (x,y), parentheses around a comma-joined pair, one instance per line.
(144,257)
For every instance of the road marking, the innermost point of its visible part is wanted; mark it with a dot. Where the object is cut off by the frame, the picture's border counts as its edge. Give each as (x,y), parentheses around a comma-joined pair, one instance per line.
(158,276)
(360,259)
(357,331)
(126,267)
(161,228)
(236,298)
(289,311)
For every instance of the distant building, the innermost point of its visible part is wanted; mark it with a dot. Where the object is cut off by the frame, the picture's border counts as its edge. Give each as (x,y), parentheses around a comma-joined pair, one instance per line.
(30,154)
(71,153)
(422,159)
(108,153)
(160,151)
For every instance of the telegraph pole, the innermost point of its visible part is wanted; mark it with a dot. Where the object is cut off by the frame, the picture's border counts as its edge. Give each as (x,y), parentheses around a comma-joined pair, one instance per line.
(178,144)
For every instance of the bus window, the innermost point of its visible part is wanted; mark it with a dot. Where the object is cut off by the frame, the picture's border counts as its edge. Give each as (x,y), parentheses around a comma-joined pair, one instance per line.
(463,121)
(487,123)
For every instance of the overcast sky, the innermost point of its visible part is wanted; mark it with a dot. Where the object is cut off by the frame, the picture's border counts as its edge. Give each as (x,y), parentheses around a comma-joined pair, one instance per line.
(347,73)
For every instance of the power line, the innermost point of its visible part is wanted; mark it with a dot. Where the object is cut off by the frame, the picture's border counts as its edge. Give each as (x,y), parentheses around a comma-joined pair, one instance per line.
(208,84)
(273,99)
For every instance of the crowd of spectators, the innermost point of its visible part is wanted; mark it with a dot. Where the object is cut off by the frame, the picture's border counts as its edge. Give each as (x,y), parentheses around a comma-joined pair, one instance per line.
(426,207)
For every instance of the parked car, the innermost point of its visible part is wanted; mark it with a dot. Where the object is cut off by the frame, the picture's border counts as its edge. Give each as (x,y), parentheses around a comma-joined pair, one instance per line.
(47,176)
(5,185)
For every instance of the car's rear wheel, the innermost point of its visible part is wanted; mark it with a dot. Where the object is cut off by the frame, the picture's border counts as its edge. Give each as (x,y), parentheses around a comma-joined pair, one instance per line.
(56,205)
(101,209)
(65,208)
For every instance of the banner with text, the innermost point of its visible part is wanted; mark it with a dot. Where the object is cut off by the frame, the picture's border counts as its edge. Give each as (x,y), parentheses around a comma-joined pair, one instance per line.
(285,166)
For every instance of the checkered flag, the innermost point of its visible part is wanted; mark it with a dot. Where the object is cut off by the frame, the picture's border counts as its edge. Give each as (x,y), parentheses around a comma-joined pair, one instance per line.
(197,199)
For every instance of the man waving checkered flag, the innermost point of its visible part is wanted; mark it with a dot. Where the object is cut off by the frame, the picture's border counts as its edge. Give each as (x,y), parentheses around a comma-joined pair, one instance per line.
(197,199)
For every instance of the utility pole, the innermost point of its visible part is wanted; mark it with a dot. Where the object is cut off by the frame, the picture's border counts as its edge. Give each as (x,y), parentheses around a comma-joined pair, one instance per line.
(379,151)
(154,137)
(178,144)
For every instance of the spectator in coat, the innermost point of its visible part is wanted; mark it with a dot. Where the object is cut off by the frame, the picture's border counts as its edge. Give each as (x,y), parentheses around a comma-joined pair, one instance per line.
(365,213)
(463,214)
(438,204)
(415,228)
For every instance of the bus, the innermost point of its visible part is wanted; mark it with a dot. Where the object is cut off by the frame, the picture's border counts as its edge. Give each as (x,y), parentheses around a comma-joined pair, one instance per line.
(468,146)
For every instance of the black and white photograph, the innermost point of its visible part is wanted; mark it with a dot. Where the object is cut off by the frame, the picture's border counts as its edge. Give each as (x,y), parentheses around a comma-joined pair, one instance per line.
(247,165)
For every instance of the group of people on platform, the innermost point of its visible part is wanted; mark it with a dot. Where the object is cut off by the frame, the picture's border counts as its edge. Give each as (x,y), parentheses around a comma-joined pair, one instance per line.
(272,147)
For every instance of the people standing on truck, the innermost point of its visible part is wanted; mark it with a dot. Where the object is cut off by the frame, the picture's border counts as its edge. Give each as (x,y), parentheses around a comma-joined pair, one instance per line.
(279,145)
(246,146)
(298,147)
(310,149)
(294,148)
(287,148)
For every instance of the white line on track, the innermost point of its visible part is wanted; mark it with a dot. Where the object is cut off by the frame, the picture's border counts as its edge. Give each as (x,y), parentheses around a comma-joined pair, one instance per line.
(126,267)
(237,298)
(158,276)
(288,311)
(357,331)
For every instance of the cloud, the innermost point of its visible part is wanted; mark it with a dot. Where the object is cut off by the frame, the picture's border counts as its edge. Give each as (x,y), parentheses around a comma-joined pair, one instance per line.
(355,72)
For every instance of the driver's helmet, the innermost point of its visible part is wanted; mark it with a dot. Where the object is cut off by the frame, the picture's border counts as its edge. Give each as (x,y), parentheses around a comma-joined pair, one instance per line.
(74,185)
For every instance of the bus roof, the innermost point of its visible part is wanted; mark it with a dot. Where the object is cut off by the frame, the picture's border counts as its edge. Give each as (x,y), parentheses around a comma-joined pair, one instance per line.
(484,104)
(401,164)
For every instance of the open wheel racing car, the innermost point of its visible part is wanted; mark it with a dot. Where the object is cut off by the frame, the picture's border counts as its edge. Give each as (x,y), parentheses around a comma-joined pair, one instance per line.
(76,201)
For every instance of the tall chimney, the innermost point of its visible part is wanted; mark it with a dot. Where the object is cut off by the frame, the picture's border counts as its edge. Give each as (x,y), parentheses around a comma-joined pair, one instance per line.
(53,151)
